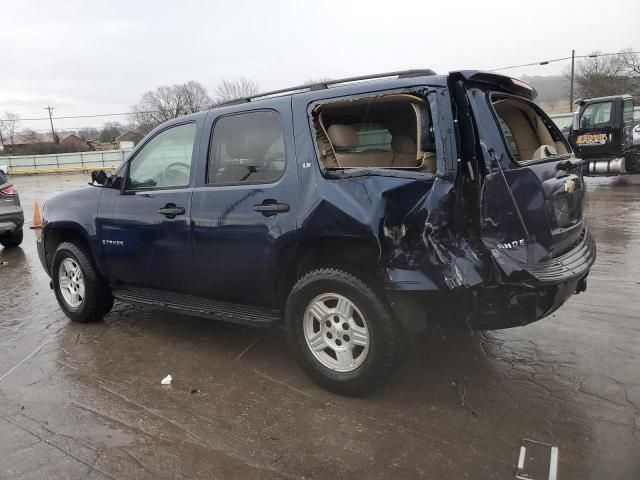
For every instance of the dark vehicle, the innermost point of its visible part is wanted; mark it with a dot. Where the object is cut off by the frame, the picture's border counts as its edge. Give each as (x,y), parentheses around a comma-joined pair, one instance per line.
(358,212)
(603,135)
(11,215)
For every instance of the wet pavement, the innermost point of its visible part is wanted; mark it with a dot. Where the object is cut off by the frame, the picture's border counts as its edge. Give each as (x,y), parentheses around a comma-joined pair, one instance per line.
(85,401)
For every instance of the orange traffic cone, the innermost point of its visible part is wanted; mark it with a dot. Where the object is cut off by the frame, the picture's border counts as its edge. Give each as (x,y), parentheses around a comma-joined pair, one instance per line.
(37,221)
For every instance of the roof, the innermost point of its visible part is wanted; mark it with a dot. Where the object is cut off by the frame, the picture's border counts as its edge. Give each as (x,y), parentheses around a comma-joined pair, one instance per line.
(129,133)
(389,80)
(624,96)
(72,135)
(363,85)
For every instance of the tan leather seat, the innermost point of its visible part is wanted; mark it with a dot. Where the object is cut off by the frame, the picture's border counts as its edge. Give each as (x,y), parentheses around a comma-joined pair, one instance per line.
(343,136)
(523,133)
(405,151)
(529,131)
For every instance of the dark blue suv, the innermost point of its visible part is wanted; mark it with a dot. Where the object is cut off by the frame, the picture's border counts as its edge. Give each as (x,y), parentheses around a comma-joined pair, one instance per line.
(357,211)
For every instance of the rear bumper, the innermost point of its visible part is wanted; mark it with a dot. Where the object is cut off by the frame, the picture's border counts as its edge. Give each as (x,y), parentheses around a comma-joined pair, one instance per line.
(11,221)
(526,294)
(572,265)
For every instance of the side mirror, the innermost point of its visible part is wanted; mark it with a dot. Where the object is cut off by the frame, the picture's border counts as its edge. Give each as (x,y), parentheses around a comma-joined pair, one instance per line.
(99,176)
(574,124)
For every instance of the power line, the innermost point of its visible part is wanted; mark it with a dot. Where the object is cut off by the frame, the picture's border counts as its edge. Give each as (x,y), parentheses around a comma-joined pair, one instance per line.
(553,60)
(105,115)
(88,116)
(543,62)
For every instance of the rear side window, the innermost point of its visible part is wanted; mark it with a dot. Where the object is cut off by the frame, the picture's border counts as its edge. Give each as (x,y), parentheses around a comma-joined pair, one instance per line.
(528,133)
(392,131)
(246,148)
(596,114)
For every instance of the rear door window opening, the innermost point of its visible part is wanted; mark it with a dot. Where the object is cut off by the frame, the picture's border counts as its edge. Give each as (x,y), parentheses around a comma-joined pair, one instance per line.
(390,132)
(528,135)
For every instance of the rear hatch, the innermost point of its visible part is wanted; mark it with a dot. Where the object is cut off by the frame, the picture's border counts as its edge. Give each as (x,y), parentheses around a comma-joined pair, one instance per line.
(533,191)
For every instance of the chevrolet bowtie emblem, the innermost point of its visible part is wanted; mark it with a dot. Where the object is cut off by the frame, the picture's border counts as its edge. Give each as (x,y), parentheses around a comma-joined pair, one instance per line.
(570,186)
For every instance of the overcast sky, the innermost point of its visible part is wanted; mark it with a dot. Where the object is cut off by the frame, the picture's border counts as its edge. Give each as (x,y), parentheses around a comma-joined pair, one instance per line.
(100,57)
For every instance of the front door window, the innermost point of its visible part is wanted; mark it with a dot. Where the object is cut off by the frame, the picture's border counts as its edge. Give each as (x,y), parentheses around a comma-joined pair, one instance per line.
(164,162)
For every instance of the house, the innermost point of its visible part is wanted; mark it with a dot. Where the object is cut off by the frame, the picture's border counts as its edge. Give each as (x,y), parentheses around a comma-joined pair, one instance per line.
(97,146)
(128,140)
(74,143)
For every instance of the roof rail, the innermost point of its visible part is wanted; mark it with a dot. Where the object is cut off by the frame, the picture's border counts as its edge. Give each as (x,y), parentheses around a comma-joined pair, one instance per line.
(323,85)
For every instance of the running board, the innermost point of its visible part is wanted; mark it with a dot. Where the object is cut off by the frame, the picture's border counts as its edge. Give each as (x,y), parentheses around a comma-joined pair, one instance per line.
(200,307)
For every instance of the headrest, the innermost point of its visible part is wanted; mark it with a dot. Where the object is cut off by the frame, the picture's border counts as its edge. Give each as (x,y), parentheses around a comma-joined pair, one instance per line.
(240,147)
(343,136)
(403,144)
(544,151)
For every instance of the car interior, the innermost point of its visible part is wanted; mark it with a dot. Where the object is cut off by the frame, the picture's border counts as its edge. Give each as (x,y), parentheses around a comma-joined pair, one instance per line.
(527,134)
(380,132)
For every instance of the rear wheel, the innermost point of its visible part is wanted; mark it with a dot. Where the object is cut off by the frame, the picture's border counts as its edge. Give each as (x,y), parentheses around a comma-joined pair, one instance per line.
(12,239)
(81,293)
(342,332)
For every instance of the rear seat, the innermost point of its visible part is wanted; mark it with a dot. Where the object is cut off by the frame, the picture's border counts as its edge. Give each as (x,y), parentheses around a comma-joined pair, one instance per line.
(403,154)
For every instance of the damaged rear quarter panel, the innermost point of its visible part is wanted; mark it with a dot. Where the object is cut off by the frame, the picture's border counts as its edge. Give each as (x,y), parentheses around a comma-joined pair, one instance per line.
(390,209)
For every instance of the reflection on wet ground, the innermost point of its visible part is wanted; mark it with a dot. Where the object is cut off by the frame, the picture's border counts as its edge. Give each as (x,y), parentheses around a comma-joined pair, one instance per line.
(85,401)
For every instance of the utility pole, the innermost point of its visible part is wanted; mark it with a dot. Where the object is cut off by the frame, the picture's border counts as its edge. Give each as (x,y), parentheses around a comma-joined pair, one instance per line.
(53,132)
(573,58)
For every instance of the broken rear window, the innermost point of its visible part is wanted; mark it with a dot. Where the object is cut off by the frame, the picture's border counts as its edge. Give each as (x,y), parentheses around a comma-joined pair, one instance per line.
(528,134)
(381,132)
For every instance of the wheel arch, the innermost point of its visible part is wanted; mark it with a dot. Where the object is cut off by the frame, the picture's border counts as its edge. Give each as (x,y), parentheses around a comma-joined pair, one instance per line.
(349,253)
(59,232)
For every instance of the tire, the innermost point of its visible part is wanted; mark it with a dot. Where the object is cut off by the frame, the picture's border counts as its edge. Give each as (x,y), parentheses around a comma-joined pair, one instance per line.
(340,372)
(12,239)
(96,300)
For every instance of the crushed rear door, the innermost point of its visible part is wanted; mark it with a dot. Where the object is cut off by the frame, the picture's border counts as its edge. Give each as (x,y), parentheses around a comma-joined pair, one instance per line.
(531,208)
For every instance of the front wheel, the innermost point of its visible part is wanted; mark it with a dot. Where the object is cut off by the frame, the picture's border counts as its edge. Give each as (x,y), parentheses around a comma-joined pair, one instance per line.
(81,292)
(342,332)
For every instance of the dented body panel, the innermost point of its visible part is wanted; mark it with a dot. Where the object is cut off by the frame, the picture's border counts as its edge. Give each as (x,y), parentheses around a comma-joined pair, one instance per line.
(481,242)
(432,270)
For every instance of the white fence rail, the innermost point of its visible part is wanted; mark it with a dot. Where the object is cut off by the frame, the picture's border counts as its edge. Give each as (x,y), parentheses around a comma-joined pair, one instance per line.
(63,161)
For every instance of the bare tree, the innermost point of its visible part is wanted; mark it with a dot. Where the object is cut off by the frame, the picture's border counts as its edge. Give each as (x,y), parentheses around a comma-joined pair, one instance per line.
(8,126)
(631,64)
(195,97)
(233,89)
(88,133)
(29,136)
(110,131)
(167,102)
(601,76)
(313,81)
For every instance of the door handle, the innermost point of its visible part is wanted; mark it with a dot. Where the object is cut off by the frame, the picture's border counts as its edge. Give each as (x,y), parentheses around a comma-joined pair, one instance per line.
(170,210)
(271,207)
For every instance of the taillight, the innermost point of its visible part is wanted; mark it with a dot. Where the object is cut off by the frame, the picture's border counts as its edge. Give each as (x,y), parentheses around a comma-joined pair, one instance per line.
(10,190)
(520,83)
